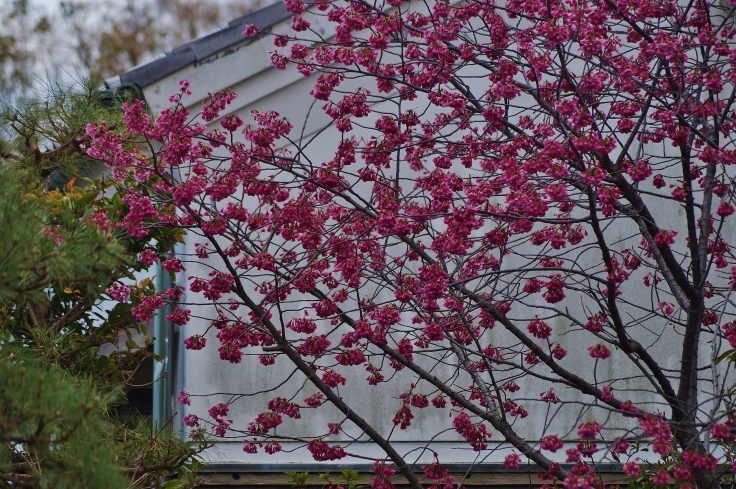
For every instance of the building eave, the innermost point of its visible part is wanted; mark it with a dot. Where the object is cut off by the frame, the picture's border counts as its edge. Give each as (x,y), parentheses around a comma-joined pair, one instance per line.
(204,47)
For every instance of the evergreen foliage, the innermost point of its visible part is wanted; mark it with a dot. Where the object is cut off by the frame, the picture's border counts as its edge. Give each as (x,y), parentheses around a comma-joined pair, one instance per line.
(61,252)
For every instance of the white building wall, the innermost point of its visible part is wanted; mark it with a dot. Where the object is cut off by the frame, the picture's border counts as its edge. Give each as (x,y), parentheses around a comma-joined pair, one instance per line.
(247,72)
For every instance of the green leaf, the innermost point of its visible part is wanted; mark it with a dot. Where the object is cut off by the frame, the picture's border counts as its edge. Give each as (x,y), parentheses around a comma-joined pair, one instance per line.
(298,479)
(172,484)
(730,354)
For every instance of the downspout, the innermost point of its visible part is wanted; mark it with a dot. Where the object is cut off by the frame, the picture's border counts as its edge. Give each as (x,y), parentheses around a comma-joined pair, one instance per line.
(161,411)
(179,366)
(162,348)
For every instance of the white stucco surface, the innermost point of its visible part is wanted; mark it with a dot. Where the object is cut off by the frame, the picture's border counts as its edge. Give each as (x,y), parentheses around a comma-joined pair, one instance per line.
(210,380)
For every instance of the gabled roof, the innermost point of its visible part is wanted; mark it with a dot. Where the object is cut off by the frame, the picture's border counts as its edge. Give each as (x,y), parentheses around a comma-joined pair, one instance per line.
(204,47)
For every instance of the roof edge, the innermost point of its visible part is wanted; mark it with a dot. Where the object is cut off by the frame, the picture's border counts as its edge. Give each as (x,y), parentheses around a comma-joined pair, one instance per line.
(205,46)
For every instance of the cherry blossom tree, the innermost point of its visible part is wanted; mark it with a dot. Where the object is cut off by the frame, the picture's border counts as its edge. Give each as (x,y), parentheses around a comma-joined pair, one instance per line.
(528,210)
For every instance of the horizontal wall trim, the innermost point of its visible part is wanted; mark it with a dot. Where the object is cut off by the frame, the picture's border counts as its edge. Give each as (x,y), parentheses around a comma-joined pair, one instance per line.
(500,478)
(495,468)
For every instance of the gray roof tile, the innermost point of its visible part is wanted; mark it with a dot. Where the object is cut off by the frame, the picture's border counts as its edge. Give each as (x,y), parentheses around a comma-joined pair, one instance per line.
(205,46)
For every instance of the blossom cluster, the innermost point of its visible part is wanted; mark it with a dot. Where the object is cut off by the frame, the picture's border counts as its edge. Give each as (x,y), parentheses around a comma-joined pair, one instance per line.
(494,187)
